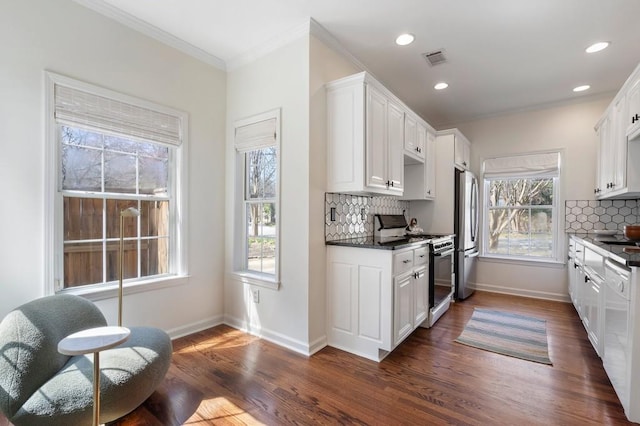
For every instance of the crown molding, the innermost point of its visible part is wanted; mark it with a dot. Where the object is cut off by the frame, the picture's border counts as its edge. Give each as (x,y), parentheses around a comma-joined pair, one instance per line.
(269,46)
(327,38)
(156,33)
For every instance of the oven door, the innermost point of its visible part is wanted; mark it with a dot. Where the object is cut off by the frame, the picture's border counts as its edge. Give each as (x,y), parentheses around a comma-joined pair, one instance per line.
(441,284)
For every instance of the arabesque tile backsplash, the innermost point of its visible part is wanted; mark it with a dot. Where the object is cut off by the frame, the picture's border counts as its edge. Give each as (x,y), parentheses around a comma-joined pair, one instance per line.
(590,215)
(354,214)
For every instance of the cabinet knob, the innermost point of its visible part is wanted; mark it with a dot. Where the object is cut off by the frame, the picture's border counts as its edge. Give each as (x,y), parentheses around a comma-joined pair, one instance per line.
(586,279)
(464,163)
(406,261)
(429,192)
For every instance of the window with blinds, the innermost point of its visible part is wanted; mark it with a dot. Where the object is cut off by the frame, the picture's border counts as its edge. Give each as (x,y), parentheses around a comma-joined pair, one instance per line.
(256,143)
(520,200)
(114,152)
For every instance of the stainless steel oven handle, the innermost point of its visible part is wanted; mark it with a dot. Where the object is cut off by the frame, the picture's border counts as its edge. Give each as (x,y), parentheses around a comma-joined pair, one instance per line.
(444,253)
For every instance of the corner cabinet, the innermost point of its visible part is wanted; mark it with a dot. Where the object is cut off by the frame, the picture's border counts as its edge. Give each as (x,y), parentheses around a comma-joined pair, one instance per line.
(619,144)
(365,135)
(375,298)
(420,178)
(462,152)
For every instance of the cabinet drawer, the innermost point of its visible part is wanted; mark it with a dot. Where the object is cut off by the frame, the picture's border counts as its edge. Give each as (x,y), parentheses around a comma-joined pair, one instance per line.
(402,262)
(421,256)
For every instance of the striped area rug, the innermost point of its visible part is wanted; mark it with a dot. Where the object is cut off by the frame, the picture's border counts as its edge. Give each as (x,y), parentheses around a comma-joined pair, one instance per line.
(508,334)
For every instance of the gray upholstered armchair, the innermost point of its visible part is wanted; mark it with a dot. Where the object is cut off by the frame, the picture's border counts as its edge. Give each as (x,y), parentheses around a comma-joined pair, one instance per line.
(38,385)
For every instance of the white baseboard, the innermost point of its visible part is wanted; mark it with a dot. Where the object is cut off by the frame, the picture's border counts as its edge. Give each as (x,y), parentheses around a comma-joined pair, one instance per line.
(557,297)
(195,327)
(273,337)
(318,344)
(277,338)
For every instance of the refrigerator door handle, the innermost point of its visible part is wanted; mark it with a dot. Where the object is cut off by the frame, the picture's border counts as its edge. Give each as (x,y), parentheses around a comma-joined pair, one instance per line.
(474,254)
(474,209)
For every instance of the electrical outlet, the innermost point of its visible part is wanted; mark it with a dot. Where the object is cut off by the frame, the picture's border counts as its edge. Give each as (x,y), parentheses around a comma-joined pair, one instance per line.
(256,296)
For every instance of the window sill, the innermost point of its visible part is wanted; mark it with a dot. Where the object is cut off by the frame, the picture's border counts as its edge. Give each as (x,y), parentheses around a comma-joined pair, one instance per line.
(523,262)
(260,280)
(109,291)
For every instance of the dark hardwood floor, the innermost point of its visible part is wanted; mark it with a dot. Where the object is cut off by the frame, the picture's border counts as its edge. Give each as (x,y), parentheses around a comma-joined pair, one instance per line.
(224,376)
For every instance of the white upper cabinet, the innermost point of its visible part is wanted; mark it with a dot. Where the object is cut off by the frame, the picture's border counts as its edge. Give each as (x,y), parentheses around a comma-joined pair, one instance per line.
(415,134)
(632,121)
(376,150)
(430,167)
(619,144)
(604,172)
(420,178)
(395,140)
(365,133)
(462,152)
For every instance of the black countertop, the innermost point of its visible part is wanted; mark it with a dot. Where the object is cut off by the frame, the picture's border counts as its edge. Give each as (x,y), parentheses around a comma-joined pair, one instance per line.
(615,245)
(371,242)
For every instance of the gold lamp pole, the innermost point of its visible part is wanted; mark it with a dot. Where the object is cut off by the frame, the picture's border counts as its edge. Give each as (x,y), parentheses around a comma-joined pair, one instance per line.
(130,212)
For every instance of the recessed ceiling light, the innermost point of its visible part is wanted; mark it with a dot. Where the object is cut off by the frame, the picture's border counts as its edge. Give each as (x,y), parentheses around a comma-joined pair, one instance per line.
(441,86)
(596,47)
(404,39)
(581,88)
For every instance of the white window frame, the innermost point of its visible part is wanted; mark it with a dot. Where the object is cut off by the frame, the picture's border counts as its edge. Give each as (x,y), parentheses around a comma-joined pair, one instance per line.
(54,256)
(555,258)
(240,270)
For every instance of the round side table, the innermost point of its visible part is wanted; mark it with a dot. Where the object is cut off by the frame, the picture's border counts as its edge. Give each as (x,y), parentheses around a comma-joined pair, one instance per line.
(93,341)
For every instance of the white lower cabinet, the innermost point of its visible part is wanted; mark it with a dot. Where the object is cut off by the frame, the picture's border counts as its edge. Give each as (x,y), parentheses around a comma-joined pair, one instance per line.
(593,314)
(375,298)
(421,312)
(403,290)
(586,281)
(608,300)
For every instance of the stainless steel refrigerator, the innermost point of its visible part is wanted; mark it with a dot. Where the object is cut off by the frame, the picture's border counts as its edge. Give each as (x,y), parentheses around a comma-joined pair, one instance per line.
(466,230)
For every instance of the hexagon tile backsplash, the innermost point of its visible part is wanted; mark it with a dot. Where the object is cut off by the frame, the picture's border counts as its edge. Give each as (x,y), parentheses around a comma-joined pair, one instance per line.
(353,214)
(587,216)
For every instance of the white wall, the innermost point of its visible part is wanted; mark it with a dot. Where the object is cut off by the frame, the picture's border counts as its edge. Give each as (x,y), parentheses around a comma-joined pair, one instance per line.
(569,128)
(66,38)
(291,78)
(325,65)
(277,80)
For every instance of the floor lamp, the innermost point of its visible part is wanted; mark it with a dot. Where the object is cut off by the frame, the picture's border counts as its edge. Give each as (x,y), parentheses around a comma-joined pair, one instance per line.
(130,212)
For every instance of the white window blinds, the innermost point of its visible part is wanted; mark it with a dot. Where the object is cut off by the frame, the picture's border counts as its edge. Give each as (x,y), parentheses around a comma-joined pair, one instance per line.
(258,135)
(525,165)
(79,108)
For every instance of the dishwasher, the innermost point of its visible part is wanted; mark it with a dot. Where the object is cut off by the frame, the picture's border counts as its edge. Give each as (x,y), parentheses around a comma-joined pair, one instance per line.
(616,327)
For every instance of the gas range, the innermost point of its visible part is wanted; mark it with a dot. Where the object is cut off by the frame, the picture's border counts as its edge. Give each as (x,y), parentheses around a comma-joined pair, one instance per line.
(392,229)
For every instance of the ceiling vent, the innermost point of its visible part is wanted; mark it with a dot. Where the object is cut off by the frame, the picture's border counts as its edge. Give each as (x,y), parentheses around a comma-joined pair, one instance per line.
(435,58)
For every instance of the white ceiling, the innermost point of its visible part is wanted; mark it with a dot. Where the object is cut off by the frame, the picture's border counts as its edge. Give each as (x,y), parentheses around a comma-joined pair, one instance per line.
(503,55)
